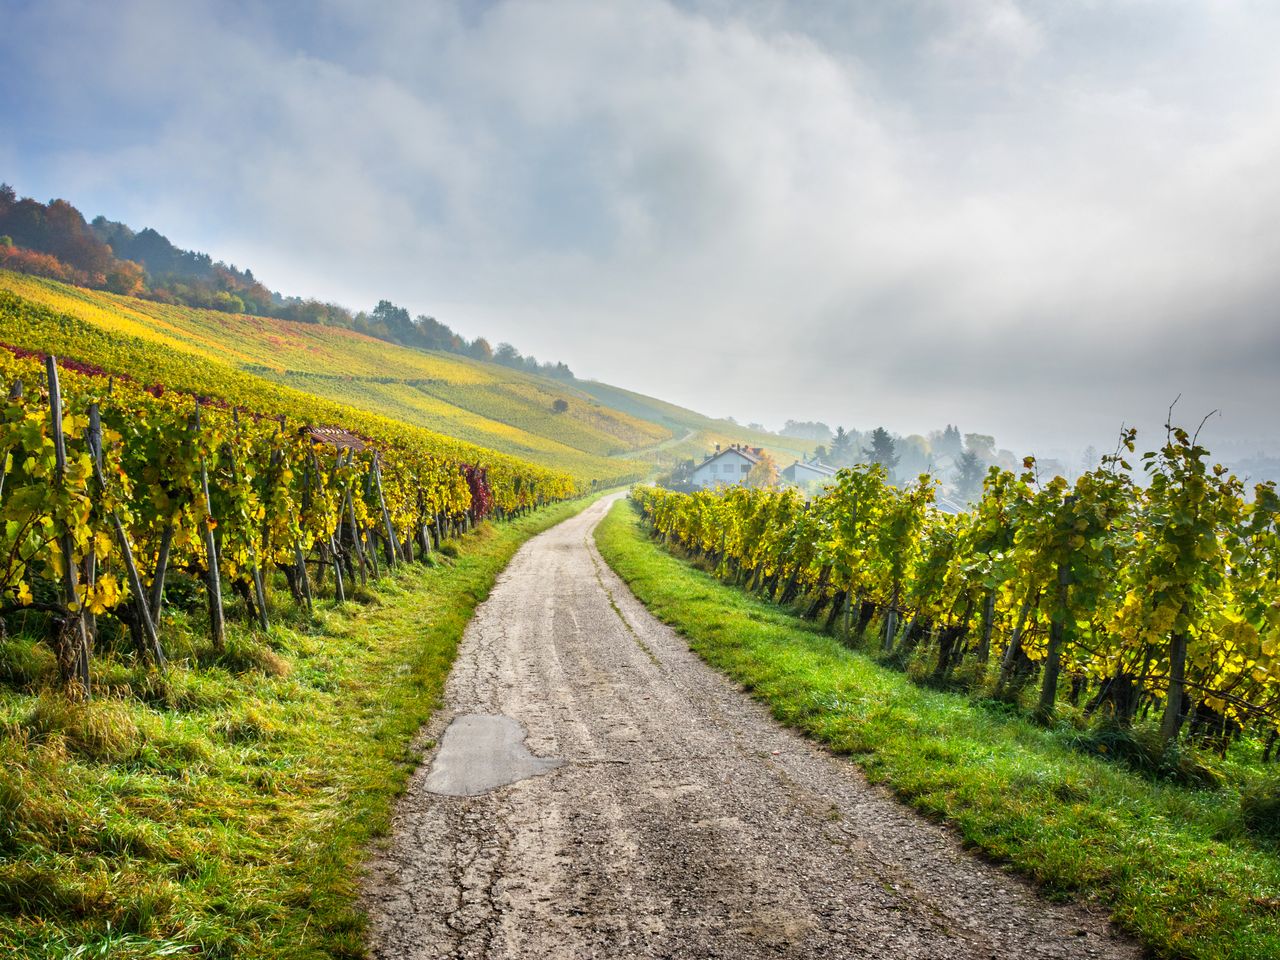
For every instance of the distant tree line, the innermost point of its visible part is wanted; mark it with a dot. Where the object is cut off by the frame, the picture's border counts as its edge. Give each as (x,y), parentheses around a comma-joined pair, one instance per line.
(54,240)
(958,460)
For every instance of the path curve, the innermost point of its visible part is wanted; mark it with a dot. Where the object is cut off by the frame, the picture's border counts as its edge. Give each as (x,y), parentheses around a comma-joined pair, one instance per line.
(683,821)
(645,451)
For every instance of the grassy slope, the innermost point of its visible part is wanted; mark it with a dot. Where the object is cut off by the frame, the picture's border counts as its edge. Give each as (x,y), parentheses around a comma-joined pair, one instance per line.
(481,403)
(1172,863)
(502,408)
(225,805)
(497,407)
(408,404)
(155,360)
(707,431)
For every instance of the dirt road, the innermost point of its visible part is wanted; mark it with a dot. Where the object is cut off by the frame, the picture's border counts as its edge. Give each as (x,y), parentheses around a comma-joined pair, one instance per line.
(679,820)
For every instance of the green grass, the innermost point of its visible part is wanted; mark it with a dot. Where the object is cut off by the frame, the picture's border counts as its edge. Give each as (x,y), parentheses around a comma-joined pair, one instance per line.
(222,809)
(1174,865)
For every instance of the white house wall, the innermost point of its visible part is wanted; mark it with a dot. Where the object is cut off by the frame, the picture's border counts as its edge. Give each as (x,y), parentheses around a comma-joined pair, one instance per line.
(713,473)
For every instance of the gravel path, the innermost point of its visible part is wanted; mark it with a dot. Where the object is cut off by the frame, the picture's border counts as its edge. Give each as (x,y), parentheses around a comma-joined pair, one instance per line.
(681,822)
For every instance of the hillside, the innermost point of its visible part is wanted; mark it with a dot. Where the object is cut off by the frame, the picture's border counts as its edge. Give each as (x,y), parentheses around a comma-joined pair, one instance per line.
(692,433)
(588,429)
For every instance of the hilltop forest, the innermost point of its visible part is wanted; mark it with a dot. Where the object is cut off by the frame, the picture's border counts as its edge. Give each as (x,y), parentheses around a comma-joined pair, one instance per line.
(55,240)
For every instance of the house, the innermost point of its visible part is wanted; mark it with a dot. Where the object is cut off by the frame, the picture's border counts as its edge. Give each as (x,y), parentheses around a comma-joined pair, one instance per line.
(949,504)
(804,472)
(726,468)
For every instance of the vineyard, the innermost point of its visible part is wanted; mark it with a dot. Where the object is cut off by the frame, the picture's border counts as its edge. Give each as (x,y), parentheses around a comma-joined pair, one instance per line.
(1156,601)
(108,485)
(480,403)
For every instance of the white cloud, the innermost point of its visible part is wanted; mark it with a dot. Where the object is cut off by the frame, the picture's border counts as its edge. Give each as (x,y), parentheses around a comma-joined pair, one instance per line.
(986,34)
(1034,218)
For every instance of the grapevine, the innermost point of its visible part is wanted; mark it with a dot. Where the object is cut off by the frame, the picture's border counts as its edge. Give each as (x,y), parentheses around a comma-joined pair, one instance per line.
(108,486)
(1124,598)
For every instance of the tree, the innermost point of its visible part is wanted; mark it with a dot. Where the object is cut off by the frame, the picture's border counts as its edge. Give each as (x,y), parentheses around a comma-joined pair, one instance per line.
(54,240)
(480,349)
(882,451)
(806,429)
(842,450)
(968,477)
(681,477)
(395,320)
(227,302)
(764,475)
(126,277)
(982,444)
(914,455)
(1089,458)
(434,335)
(39,264)
(561,405)
(313,311)
(946,443)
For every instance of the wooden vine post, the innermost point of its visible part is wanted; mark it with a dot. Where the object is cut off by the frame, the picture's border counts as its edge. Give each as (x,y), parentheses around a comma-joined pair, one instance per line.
(393,553)
(330,541)
(370,536)
(73,655)
(255,568)
(266,524)
(213,580)
(350,509)
(424,536)
(983,653)
(299,560)
(260,594)
(145,634)
(162,566)
(90,583)
(351,556)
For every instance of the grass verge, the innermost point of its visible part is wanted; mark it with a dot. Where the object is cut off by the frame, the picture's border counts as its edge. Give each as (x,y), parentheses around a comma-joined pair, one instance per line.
(222,809)
(1173,864)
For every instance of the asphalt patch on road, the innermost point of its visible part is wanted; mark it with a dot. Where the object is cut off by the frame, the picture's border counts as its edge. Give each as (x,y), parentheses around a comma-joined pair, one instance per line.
(480,752)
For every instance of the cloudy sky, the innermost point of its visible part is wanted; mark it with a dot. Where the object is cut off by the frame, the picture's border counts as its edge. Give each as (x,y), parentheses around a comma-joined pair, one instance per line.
(1036,218)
